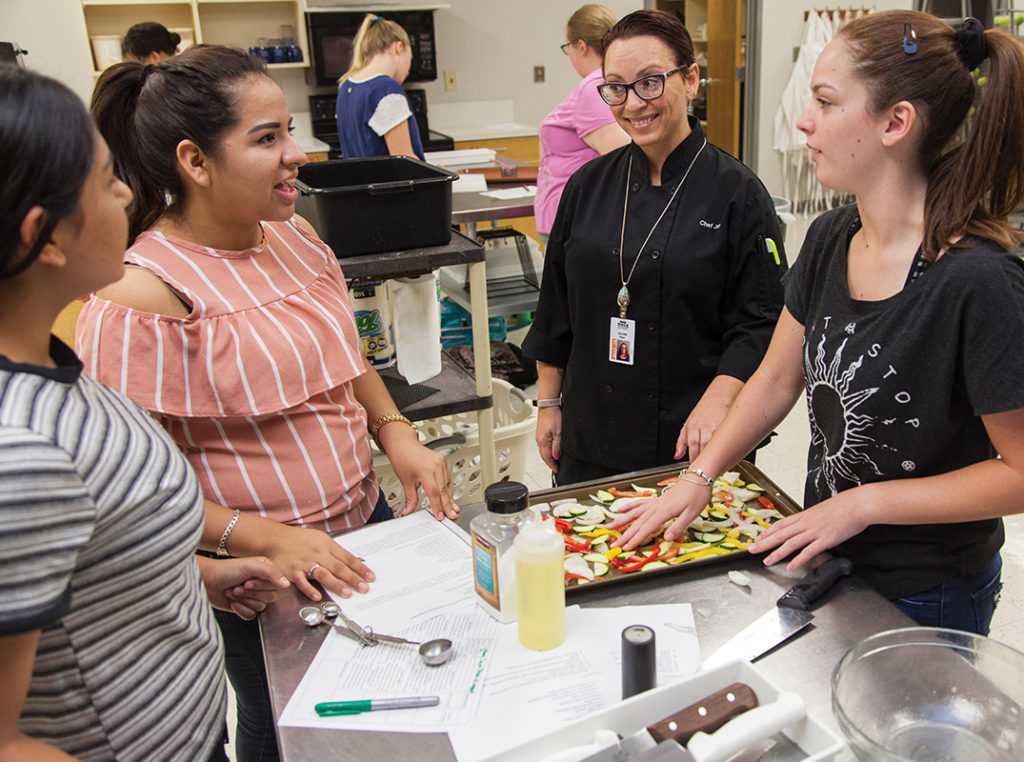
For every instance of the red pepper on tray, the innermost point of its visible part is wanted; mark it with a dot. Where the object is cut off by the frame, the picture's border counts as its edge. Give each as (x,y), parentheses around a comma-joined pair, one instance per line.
(616,492)
(766,502)
(563,526)
(575,576)
(638,565)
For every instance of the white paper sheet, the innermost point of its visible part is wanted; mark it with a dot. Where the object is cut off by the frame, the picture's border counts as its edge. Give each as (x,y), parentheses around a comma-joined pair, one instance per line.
(421,567)
(344,670)
(469,182)
(543,690)
(518,191)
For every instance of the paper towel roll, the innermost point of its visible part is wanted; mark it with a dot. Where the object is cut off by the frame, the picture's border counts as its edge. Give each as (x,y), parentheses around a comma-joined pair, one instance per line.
(417,326)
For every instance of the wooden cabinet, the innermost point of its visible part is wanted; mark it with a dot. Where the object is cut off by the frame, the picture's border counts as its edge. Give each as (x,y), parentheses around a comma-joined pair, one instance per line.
(239,23)
(717,29)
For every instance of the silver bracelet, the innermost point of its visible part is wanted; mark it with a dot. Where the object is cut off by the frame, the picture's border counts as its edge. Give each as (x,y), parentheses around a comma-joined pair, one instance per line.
(708,481)
(222,546)
(700,483)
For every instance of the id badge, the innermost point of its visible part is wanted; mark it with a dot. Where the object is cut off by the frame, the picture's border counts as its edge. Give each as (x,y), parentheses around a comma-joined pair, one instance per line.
(621,344)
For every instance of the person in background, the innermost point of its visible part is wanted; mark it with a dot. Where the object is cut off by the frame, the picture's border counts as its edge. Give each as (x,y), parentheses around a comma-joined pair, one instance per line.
(668,245)
(107,643)
(373,113)
(581,127)
(900,311)
(232,325)
(149,43)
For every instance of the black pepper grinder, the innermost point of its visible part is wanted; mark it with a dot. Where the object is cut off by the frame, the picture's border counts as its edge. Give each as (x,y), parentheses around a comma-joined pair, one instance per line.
(639,671)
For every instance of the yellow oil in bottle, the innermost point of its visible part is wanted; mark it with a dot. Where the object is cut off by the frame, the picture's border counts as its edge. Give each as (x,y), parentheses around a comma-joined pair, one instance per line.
(540,586)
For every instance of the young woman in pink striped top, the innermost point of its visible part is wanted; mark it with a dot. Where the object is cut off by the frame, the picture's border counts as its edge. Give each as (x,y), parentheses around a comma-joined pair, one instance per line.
(233,327)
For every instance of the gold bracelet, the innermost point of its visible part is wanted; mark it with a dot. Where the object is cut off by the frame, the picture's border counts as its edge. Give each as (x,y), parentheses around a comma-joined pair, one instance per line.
(385,419)
(222,546)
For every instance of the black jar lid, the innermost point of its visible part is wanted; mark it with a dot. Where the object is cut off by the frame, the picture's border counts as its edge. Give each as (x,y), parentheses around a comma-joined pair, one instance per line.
(506,497)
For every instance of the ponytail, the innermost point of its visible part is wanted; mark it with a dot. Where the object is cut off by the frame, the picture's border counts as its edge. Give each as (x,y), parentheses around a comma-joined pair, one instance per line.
(375,35)
(113,105)
(974,158)
(144,112)
(975,186)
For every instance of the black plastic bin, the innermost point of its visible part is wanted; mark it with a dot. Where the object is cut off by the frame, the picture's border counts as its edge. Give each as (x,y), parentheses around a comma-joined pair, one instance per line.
(385,203)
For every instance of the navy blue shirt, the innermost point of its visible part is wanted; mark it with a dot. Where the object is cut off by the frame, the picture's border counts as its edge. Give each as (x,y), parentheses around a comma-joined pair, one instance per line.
(366,111)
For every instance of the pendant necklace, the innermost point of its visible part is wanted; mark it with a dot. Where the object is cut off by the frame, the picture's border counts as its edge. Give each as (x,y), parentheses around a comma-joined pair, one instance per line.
(623,298)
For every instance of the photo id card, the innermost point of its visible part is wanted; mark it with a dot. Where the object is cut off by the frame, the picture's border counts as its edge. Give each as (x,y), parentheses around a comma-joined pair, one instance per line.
(620,343)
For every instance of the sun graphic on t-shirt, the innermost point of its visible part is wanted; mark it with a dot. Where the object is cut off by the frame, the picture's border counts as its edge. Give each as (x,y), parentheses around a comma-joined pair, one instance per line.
(832,403)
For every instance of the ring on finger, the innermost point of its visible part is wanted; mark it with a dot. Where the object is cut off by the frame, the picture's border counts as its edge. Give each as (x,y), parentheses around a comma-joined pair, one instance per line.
(313,568)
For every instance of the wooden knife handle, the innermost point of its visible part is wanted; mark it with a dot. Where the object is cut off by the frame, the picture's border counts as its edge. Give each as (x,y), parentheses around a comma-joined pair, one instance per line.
(707,715)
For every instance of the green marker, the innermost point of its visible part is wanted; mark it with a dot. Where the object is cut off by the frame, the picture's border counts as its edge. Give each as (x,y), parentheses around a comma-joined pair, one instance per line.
(334,708)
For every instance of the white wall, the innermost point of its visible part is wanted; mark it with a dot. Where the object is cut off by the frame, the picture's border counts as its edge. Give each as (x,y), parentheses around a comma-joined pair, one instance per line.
(53,33)
(782,25)
(493,45)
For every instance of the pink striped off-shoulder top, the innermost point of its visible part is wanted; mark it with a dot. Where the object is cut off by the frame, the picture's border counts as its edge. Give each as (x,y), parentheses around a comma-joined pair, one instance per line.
(255,385)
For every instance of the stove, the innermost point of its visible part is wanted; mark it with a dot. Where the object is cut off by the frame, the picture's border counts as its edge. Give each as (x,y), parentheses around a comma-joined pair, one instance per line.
(325,128)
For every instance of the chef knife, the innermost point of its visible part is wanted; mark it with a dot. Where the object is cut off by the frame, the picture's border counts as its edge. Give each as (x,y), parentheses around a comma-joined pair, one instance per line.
(734,736)
(784,620)
(708,714)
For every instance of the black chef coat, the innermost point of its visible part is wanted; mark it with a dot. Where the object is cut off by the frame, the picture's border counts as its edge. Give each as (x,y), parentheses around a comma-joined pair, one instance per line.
(705,296)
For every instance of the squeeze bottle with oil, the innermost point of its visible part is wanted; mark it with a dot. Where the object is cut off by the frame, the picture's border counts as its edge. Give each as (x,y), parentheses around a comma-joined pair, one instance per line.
(493,531)
(540,585)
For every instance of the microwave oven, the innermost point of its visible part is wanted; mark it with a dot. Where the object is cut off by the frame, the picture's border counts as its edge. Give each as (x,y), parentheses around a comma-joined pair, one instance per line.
(332,33)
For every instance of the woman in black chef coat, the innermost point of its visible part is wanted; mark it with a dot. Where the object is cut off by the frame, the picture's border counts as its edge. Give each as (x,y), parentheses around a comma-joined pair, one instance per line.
(668,245)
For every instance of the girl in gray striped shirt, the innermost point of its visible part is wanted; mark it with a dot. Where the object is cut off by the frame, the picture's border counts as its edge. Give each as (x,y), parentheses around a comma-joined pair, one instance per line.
(106,634)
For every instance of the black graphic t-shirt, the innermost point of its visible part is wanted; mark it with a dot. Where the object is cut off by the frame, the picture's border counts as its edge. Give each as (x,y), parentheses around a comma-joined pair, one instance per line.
(896,389)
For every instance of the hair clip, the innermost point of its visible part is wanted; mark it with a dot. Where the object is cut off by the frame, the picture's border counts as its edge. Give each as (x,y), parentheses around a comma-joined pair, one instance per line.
(909,40)
(376,21)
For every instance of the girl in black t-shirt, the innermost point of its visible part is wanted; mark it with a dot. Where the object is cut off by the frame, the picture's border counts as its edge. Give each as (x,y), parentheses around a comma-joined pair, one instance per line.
(899,312)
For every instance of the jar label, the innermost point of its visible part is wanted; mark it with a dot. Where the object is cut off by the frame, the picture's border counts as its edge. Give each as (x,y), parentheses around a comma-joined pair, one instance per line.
(485,571)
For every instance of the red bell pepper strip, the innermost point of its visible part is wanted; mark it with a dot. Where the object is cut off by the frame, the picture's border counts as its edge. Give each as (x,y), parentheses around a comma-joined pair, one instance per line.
(668,481)
(563,526)
(575,576)
(765,502)
(640,564)
(628,493)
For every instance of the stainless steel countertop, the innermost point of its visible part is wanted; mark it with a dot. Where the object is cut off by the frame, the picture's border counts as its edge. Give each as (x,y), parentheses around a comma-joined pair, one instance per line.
(474,207)
(850,612)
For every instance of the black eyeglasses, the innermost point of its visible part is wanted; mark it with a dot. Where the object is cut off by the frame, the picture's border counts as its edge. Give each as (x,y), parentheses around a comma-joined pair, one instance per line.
(647,88)
(564,47)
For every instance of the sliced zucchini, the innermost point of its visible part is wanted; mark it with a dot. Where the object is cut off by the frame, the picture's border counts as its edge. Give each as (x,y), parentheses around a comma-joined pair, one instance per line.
(595,558)
(561,512)
(653,565)
(577,510)
(709,536)
(600,569)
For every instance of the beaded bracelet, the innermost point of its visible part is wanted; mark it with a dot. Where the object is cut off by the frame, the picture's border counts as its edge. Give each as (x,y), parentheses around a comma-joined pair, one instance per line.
(553,402)
(707,481)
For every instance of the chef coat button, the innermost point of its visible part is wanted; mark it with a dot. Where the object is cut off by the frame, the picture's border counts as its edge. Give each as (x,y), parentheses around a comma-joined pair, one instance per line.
(651,394)
(615,251)
(608,389)
(651,326)
(655,254)
(636,187)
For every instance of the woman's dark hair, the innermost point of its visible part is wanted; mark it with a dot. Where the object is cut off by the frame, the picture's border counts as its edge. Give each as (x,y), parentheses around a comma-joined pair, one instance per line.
(975,170)
(47,144)
(650,23)
(144,112)
(149,37)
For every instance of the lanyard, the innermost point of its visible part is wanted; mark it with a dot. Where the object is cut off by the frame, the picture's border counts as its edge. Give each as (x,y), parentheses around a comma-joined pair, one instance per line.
(623,297)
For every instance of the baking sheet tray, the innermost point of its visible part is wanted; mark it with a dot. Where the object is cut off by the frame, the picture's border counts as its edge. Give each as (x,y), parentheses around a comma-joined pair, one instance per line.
(748,472)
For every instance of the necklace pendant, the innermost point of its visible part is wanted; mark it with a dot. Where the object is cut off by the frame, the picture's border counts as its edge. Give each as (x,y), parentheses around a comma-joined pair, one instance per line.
(623,300)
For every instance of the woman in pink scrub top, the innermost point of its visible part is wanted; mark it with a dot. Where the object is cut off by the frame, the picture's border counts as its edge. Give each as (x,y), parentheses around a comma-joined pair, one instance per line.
(582,126)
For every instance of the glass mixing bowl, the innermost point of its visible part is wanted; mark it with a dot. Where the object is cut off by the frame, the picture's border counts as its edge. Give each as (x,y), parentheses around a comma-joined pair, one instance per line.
(927,694)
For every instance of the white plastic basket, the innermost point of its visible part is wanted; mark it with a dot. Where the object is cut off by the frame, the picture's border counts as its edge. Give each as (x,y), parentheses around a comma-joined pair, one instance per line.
(515,420)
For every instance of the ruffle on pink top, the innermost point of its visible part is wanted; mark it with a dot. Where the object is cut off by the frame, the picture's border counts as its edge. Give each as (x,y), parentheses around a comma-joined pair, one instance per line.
(270,327)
